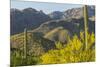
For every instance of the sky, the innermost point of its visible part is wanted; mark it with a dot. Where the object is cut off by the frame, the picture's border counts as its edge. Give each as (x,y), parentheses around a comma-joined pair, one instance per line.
(46,7)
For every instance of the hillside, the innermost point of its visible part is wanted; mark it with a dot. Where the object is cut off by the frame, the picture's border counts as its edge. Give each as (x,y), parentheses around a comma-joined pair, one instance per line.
(36,44)
(31,19)
(74,26)
(58,34)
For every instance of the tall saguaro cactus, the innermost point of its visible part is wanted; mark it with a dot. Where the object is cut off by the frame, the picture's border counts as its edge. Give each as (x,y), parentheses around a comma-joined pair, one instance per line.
(85,13)
(25,43)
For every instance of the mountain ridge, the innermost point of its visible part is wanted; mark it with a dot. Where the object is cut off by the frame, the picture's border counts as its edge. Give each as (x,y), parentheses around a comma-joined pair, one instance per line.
(32,19)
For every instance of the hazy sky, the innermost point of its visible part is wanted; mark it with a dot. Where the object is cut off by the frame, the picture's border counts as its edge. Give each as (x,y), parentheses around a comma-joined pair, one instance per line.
(46,7)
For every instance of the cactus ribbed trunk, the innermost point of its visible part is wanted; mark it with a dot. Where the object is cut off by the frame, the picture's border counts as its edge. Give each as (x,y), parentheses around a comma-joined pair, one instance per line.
(85,12)
(25,43)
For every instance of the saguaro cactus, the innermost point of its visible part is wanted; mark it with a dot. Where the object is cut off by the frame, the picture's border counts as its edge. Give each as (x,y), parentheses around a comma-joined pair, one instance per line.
(25,43)
(85,13)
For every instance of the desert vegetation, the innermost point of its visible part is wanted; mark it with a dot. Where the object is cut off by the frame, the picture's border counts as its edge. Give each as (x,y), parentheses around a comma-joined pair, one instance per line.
(55,39)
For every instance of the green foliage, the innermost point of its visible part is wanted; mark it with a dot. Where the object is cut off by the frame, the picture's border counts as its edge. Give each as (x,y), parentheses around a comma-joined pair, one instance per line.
(18,60)
(40,52)
(73,52)
(36,46)
(75,44)
(59,45)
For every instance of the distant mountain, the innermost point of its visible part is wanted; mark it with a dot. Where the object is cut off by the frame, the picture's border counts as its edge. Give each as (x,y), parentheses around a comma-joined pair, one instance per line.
(32,19)
(72,13)
(56,15)
(26,18)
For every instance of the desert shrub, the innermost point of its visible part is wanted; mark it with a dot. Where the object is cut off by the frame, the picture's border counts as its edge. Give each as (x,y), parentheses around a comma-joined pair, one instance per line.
(59,45)
(18,60)
(72,52)
(69,52)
